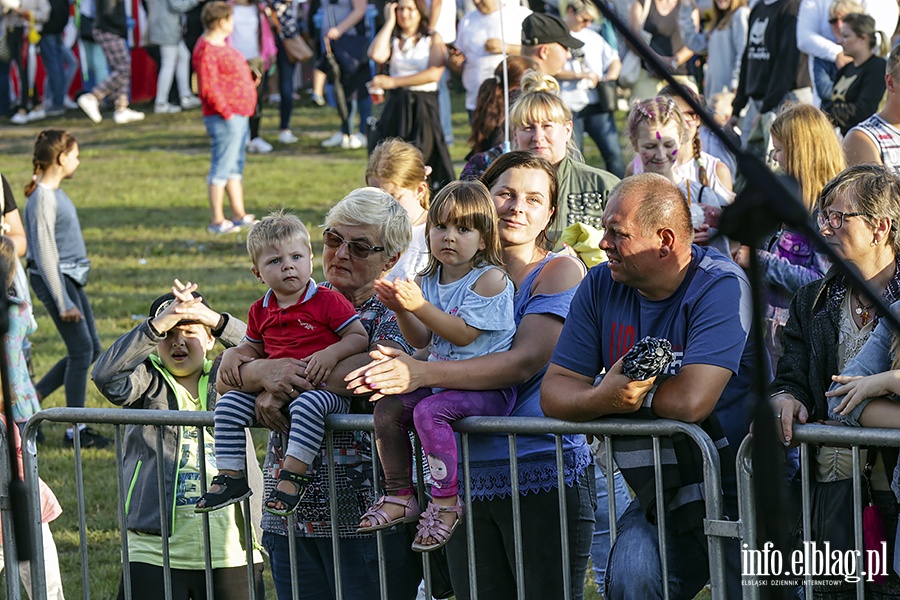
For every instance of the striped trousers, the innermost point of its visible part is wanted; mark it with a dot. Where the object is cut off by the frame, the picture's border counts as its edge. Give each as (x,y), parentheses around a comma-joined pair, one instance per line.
(235,411)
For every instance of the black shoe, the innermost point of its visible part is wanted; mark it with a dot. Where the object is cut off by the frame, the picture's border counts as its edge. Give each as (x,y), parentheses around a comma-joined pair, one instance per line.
(89,439)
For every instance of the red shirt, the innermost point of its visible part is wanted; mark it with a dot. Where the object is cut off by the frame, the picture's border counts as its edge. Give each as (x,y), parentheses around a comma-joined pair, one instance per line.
(306,327)
(226,85)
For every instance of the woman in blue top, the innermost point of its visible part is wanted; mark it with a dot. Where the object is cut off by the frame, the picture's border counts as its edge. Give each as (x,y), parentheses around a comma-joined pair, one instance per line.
(523,187)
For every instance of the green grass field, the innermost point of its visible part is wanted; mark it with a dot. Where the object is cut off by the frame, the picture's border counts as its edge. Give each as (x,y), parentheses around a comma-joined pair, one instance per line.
(141,196)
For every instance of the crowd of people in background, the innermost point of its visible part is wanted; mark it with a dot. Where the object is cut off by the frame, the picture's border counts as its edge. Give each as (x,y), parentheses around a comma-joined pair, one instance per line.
(527,287)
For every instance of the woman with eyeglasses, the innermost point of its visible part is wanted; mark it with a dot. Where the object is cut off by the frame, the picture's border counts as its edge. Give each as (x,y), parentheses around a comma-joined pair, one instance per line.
(365,235)
(807,149)
(829,323)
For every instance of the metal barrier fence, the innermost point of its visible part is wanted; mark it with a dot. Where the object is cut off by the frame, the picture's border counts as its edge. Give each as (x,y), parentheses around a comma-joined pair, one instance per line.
(806,435)
(716,527)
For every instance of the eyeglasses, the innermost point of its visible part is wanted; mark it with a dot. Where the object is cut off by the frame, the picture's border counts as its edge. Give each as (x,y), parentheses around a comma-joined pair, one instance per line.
(357,249)
(835,20)
(835,219)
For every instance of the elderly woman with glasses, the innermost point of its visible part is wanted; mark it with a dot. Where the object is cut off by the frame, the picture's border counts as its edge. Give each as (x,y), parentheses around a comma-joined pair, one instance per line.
(365,235)
(830,320)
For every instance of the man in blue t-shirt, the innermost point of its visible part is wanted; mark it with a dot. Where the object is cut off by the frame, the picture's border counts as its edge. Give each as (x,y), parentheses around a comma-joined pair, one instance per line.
(656,283)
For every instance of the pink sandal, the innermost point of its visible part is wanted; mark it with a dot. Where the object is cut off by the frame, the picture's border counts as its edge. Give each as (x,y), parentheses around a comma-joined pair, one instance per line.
(430,525)
(379,519)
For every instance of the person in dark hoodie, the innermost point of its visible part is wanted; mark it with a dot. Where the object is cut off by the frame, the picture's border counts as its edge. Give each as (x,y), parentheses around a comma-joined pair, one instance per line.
(773,70)
(111,32)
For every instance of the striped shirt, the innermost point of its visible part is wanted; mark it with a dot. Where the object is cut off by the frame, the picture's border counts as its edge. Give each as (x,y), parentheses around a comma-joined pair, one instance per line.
(54,235)
(886,137)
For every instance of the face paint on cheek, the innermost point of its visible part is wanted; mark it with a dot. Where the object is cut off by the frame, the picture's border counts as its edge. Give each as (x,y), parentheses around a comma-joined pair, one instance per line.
(646,157)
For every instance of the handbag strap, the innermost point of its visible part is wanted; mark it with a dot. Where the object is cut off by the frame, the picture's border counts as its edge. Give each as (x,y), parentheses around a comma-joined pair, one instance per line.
(871,458)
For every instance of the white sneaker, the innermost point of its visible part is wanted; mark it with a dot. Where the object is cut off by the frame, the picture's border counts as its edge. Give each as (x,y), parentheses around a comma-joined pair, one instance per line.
(70,104)
(287,137)
(126,115)
(259,146)
(357,141)
(166,108)
(336,140)
(189,102)
(20,118)
(37,114)
(91,106)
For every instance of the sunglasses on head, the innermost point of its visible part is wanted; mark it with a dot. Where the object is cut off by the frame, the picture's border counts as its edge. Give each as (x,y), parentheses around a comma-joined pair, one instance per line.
(356,248)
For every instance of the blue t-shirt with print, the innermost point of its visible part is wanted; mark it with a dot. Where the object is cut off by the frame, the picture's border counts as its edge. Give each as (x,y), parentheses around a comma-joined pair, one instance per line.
(707,320)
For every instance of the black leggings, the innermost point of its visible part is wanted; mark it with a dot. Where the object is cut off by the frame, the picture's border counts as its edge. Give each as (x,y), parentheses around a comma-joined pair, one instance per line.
(188,584)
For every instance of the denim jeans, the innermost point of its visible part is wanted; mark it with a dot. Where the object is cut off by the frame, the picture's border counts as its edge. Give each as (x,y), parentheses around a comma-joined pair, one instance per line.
(363,112)
(59,62)
(600,543)
(823,73)
(98,70)
(541,544)
(228,140)
(285,86)
(81,339)
(601,126)
(444,107)
(359,566)
(634,571)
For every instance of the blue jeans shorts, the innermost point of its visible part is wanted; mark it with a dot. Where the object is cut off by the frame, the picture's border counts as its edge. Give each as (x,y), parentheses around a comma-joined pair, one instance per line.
(228,140)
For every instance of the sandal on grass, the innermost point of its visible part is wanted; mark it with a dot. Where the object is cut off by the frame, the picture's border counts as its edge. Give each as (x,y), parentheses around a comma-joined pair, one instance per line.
(231,490)
(379,519)
(290,501)
(430,525)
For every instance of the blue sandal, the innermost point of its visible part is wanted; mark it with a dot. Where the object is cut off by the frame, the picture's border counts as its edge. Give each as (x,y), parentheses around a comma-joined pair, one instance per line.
(290,501)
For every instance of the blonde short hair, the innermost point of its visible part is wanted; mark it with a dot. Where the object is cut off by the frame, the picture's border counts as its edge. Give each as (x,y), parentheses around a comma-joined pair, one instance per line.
(276,228)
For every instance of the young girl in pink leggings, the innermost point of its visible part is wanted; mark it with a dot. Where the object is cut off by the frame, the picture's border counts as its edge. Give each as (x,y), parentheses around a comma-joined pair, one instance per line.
(461,306)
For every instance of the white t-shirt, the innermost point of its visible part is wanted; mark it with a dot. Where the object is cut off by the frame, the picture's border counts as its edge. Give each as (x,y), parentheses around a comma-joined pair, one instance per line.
(477,28)
(245,38)
(415,258)
(446,23)
(596,58)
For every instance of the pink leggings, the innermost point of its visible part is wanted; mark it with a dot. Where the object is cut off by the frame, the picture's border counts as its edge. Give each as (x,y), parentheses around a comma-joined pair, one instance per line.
(432,414)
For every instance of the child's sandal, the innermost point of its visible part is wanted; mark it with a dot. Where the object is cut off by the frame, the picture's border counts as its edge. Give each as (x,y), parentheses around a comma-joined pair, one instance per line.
(430,525)
(290,501)
(231,490)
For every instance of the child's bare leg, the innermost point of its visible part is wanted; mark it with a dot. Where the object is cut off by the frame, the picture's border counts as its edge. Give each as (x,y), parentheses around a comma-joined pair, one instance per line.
(235,189)
(216,195)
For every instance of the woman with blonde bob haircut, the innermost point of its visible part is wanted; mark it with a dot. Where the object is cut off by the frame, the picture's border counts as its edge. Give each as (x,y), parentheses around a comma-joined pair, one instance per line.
(807,149)
(542,123)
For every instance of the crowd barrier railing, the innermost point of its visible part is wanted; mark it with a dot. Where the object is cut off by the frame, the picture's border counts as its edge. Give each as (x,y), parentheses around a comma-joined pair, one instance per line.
(807,437)
(716,527)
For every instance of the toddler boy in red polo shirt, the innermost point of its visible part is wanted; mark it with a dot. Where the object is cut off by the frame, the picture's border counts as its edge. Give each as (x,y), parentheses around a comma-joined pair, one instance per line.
(295,319)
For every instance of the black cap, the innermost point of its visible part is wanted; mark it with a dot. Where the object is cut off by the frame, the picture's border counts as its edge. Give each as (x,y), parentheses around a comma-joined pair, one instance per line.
(540,28)
(164,301)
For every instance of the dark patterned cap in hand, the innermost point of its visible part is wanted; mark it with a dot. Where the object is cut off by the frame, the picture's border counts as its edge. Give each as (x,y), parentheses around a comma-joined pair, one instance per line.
(648,358)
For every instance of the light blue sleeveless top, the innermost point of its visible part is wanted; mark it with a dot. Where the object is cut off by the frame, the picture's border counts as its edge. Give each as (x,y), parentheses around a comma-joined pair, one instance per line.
(493,316)
(489,454)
